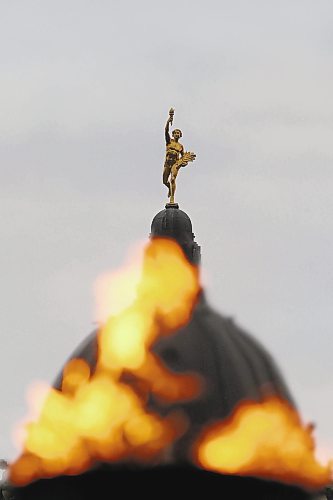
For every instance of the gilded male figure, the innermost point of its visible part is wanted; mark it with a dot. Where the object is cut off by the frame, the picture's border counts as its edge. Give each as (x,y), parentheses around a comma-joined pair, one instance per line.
(175,157)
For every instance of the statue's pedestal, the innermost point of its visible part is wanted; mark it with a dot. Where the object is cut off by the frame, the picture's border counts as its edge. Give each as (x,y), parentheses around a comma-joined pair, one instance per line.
(172,205)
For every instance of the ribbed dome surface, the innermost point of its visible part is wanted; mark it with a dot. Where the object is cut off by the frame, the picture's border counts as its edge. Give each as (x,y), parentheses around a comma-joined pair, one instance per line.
(173,223)
(232,364)
(176,224)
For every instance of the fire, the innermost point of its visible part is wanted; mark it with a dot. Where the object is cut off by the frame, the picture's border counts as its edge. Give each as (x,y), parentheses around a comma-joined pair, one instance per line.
(265,439)
(106,415)
(103,415)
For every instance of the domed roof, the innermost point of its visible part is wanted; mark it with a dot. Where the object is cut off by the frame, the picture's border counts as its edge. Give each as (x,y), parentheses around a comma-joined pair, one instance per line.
(233,366)
(176,224)
(172,222)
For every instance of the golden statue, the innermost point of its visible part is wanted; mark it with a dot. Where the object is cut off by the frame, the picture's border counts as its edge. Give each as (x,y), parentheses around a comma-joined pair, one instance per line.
(175,157)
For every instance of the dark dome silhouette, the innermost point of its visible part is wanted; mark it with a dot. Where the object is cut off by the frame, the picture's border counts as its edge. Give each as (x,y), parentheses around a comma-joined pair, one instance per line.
(176,224)
(172,222)
(234,366)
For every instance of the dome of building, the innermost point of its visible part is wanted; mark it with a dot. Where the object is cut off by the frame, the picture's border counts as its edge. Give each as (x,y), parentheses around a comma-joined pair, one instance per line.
(234,367)
(176,224)
(172,222)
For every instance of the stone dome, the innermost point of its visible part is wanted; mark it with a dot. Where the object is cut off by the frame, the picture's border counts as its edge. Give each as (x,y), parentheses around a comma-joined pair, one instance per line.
(233,365)
(176,224)
(172,222)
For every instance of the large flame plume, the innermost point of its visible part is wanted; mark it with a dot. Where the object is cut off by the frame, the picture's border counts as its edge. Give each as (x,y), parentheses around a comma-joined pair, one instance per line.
(104,415)
(265,439)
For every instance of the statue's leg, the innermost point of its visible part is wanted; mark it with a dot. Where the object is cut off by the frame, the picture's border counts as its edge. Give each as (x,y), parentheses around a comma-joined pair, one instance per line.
(166,174)
(174,173)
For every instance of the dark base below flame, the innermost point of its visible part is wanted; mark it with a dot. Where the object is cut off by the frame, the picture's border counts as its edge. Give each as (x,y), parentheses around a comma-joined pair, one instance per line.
(108,482)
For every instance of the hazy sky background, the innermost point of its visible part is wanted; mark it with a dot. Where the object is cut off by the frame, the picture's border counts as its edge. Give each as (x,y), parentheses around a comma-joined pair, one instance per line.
(85,90)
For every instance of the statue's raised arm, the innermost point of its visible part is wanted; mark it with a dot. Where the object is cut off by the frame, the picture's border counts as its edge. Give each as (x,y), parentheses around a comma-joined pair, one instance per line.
(167,125)
(175,157)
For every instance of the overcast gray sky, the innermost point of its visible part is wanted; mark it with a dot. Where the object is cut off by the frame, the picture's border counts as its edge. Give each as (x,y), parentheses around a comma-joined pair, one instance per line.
(85,90)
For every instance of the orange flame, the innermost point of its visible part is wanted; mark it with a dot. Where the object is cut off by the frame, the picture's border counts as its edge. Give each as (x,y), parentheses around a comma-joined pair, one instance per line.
(104,415)
(266,440)
(99,416)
